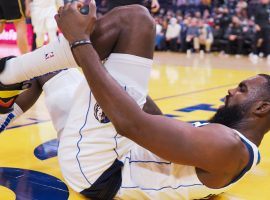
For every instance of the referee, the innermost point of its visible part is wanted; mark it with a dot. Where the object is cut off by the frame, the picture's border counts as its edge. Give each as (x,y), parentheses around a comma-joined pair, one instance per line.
(14,11)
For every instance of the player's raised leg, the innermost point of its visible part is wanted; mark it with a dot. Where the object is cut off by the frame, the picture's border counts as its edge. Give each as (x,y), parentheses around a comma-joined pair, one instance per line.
(57,55)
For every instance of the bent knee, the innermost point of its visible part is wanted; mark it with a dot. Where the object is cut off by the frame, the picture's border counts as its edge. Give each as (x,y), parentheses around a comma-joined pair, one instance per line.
(135,16)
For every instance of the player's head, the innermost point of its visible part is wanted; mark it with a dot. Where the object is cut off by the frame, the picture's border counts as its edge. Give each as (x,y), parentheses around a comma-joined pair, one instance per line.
(247,103)
(264,1)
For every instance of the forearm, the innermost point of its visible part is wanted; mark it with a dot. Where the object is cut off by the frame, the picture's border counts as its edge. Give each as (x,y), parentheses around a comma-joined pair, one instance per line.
(125,114)
(120,108)
(28,98)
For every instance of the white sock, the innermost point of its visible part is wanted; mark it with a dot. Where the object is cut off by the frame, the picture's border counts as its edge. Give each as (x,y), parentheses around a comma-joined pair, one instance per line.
(52,57)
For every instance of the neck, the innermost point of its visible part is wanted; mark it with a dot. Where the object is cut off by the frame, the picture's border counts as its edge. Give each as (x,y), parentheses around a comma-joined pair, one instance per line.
(253,131)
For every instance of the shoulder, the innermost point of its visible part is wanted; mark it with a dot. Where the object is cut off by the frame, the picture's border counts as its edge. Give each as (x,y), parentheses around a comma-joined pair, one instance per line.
(228,149)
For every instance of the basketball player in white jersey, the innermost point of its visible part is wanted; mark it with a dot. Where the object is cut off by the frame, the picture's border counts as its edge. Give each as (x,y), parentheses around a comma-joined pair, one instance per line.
(42,16)
(172,159)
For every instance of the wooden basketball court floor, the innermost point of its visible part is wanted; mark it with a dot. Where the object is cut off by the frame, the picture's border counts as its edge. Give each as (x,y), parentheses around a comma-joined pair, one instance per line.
(188,89)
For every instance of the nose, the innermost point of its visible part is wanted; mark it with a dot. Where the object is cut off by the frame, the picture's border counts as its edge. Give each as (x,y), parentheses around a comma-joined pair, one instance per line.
(231,91)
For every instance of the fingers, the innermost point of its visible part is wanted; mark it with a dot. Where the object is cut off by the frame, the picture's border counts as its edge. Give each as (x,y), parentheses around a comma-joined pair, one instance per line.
(76,5)
(57,17)
(92,8)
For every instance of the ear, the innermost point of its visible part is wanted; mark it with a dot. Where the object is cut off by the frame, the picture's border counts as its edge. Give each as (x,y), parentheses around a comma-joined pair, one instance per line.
(262,108)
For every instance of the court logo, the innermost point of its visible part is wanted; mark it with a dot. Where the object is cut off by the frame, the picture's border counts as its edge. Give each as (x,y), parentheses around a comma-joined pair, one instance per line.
(100,115)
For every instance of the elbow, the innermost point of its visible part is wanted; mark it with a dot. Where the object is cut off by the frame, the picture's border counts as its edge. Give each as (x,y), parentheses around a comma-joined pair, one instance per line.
(124,128)
(127,127)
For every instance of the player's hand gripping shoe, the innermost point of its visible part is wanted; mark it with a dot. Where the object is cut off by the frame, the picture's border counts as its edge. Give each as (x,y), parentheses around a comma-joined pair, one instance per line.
(9,93)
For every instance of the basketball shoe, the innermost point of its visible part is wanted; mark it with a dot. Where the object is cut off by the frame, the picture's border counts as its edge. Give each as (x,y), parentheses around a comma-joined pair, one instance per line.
(9,93)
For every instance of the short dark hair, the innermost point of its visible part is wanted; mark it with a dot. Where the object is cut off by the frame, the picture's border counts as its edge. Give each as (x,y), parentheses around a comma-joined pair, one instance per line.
(267,85)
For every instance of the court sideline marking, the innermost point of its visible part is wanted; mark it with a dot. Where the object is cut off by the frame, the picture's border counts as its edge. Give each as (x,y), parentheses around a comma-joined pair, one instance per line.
(194,92)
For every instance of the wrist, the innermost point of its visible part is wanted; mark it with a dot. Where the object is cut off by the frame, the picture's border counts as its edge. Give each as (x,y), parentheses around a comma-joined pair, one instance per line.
(80,43)
(78,38)
(17,111)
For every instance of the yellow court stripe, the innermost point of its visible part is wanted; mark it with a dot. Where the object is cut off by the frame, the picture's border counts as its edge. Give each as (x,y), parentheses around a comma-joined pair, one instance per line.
(8,94)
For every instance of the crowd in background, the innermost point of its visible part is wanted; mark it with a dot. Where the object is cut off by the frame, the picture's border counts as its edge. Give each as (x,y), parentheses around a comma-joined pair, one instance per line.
(230,26)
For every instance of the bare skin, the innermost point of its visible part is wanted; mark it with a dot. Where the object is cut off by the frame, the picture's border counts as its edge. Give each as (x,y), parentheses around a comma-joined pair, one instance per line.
(21,29)
(22,41)
(218,160)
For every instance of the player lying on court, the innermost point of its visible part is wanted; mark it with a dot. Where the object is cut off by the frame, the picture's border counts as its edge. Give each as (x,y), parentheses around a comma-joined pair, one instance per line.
(182,161)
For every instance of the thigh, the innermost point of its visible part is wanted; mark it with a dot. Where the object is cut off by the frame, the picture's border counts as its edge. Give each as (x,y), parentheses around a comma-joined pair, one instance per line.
(121,31)
(89,144)
(21,27)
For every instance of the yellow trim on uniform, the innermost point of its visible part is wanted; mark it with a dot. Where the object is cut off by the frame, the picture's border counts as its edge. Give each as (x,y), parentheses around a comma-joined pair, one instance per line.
(8,94)
(20,6)
(15,20)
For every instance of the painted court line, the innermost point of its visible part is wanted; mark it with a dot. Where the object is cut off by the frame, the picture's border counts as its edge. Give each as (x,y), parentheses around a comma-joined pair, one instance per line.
(194,92)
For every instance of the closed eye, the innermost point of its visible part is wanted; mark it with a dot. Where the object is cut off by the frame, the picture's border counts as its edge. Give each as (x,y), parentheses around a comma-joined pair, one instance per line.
(242,87)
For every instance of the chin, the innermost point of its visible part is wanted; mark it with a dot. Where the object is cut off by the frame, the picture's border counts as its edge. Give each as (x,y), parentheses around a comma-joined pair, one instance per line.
(221,106)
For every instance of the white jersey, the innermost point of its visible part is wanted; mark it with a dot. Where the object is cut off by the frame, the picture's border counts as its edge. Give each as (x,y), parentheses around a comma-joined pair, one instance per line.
(89,144)
(146,176)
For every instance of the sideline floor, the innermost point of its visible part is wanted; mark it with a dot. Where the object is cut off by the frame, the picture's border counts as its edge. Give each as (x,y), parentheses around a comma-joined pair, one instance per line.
(188,89)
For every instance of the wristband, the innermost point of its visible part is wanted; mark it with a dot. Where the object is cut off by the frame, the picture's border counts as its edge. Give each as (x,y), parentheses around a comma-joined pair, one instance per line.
(17,110)
(79,43)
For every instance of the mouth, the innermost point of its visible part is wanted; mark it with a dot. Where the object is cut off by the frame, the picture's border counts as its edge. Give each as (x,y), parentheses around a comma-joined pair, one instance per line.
(226,100)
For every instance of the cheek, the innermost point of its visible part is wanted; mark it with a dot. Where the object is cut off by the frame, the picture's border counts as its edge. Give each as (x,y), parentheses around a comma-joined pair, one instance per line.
(237,100)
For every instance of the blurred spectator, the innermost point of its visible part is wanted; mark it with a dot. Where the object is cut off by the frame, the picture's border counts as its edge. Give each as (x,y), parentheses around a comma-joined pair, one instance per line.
(42,16)
(242,4)
(183,34)
(160,38)
(14,11)
(235,26)
(262,17)
(223,18)
(172,34)
(234,35)
(219,40)
(193,33)
(205,36)
(249,36)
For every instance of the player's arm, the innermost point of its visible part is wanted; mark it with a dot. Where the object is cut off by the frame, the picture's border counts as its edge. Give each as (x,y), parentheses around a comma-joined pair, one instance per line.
(210,148)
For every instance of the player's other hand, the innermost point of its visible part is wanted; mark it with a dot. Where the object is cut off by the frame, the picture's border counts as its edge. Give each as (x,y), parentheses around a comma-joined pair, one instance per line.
(75,25)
